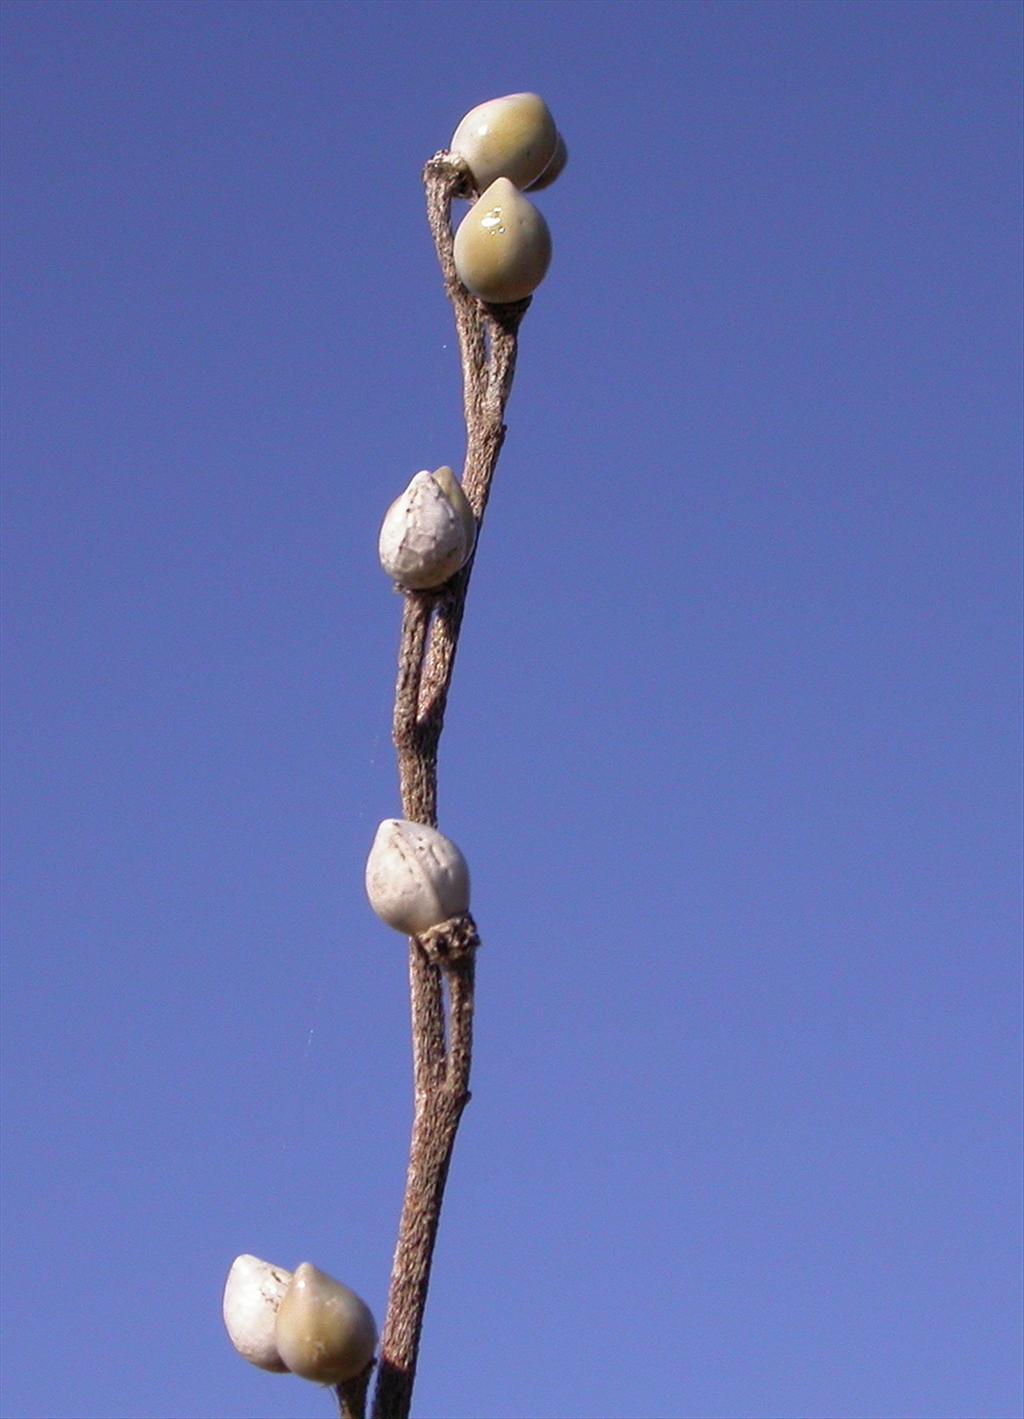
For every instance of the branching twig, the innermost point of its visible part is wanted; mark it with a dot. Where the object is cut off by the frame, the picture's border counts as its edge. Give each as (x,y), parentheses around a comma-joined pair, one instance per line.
(431,622)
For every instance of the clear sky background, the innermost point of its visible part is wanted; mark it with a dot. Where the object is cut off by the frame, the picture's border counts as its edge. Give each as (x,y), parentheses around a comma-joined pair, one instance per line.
(733,745)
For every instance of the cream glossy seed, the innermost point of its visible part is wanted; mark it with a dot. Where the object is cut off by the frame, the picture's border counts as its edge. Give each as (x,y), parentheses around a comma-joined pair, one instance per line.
(252,1295)
(513,136)
(428,532)
(415,876)
(324,1331)
(554,168)
(503,246)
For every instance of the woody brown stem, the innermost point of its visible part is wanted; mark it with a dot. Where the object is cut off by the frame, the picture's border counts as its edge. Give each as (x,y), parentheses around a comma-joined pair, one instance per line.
(352,1394)
(431,621)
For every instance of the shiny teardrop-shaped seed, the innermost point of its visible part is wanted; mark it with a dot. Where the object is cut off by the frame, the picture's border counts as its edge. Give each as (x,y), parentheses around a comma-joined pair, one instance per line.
(252,1295)
(554,168)
(415,876)
(513,136)
(324,1331)
(503,246)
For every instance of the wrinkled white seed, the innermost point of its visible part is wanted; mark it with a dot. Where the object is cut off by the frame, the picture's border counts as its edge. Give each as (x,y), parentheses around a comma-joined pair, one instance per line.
(415,876)
(428,532)
(503,246)
(513,136)
(324,1331)
(252,1295)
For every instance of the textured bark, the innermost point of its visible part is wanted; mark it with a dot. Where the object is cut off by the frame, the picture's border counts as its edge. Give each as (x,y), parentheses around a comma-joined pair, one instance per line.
(442,961)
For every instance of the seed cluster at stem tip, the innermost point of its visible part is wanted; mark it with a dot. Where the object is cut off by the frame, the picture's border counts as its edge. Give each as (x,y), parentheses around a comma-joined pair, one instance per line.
(503,246)
(417,880)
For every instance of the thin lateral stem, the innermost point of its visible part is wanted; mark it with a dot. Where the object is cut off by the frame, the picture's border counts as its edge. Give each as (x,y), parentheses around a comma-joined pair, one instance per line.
(352,1394)
(431,622)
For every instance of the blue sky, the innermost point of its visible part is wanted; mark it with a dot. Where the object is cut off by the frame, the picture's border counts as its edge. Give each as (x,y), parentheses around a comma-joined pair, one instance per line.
(733,745)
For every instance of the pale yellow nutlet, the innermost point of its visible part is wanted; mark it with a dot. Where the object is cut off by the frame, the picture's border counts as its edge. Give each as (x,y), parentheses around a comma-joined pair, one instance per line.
(503,246)
(554,168)
(513,136)
(324,1331)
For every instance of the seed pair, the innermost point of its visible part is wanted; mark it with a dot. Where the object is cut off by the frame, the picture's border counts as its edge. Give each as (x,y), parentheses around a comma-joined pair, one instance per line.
(503,246)
(303,1322)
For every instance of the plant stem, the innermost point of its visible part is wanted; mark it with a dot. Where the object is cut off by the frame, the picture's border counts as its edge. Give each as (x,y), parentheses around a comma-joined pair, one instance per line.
(352,1395)
(442,1050)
